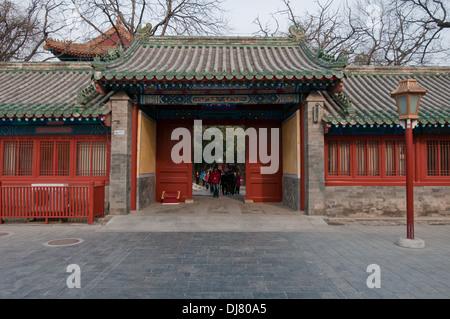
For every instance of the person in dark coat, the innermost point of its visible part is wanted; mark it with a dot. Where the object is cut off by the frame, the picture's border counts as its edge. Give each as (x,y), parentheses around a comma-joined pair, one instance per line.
(238,182)
(231,181)
(223,183)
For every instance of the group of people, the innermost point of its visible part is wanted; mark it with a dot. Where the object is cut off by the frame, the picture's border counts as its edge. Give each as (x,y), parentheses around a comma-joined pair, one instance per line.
(228,183)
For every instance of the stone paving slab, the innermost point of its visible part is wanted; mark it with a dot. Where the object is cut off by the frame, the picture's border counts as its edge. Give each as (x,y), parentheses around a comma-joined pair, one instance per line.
(223,214)
(215,223)
(211,265)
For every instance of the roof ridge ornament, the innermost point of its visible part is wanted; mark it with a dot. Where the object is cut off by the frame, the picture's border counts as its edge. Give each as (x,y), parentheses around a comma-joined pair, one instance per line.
(346,102)
(297,33)
(321,54)
(143,33)
(327,57)
(113,54)
(84,96)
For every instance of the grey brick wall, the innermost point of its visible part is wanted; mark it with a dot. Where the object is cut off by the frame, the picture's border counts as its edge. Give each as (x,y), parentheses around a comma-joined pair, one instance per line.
(291,192)
(314,154)
(145,191)
(386,201)
(120,174)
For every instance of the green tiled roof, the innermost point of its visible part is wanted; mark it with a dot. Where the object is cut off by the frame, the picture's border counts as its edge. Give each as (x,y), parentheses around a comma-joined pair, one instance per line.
(365,98)
(48,90)
(220,58)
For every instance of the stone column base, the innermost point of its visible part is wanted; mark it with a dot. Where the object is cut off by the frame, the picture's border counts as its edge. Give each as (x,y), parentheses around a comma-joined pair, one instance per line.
(410,243)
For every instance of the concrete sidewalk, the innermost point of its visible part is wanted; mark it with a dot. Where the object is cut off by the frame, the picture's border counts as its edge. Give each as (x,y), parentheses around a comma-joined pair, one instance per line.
(223,214)
(143,255)
(210,265)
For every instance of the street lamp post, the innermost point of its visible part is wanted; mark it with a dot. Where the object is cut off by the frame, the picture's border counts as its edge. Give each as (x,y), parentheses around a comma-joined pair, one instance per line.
(407,96)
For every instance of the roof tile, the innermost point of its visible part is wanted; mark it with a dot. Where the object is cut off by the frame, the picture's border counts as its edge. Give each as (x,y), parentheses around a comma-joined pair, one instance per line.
(219,58)
(368,90)
(48,90)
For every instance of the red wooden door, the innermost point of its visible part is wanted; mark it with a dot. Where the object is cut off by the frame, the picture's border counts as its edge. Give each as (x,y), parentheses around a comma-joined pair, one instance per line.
(172,177)
(264,187)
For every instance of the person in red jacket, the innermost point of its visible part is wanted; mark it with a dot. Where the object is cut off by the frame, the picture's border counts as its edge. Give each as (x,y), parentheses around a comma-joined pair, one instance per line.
(215,180)
(206,180)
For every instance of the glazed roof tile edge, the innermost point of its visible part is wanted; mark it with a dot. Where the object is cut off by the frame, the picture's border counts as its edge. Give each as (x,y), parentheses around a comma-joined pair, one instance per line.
(365,97)
(45,66)
(353,70)
(91,47)
(78,49)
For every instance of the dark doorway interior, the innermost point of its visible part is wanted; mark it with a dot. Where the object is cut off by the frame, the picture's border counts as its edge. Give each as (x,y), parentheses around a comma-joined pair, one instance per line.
(232,182)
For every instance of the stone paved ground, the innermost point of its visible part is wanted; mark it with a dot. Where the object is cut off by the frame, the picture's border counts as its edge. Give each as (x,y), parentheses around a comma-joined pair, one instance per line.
(278,265)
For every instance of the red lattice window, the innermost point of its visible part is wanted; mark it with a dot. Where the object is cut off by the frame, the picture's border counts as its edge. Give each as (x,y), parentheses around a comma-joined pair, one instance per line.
(373,160)
(338,158)
(438,158)
(91,158)
(54,158)
(364,158)
(394,156)
(17,158)
(367,158)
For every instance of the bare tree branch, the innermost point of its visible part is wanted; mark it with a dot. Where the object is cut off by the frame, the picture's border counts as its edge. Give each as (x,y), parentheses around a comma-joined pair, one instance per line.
(368,32)
(436,10)
(24,30)
(167,16)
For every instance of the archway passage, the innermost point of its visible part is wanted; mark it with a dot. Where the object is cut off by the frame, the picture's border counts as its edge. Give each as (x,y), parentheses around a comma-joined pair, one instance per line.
(262,151)
(226,150)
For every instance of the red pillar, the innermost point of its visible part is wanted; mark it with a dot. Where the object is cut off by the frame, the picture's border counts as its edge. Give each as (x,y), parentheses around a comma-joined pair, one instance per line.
(409,179)
(1,203)
(91,203)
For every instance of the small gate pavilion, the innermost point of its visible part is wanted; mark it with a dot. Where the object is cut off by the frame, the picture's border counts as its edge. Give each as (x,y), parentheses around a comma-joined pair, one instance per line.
(108,124)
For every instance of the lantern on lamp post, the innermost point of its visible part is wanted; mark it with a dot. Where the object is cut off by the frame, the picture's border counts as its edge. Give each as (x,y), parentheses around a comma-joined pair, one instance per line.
(408,96)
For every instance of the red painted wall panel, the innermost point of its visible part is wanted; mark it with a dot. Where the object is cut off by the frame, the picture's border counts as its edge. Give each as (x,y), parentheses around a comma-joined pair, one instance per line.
(264,187)
(171,177)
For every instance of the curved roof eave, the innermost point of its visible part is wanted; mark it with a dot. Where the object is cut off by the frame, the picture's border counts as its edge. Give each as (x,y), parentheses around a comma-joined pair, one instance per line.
(218,58)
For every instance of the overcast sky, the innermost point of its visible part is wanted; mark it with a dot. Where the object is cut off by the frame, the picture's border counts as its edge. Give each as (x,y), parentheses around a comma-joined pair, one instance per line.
(243,12)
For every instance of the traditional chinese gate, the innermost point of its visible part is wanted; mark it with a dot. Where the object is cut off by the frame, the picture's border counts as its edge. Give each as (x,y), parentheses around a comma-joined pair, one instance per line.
(173,177)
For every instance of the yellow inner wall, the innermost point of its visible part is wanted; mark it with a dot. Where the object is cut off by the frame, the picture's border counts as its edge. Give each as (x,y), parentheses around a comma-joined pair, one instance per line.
(146,145)
(291,145)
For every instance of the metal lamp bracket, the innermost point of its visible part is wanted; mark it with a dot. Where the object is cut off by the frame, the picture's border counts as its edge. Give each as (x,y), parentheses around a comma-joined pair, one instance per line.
(408,123)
